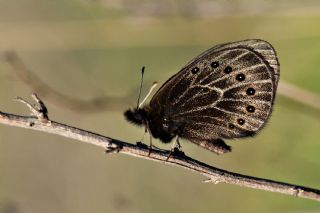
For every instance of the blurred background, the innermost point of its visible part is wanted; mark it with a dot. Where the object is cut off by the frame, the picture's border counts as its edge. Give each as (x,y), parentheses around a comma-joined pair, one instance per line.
(83,57)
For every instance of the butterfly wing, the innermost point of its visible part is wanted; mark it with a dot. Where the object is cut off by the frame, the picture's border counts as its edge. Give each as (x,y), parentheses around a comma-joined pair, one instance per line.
(226,92)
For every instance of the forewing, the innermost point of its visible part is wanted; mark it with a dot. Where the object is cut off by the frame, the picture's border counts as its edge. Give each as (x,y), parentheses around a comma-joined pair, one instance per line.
(226,92)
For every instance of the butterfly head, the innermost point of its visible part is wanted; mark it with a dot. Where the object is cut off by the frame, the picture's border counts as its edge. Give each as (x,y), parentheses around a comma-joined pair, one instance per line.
(136,116)
(158,126)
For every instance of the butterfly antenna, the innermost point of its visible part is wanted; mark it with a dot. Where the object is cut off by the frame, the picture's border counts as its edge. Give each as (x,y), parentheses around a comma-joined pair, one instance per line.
(142,73)
(149,93)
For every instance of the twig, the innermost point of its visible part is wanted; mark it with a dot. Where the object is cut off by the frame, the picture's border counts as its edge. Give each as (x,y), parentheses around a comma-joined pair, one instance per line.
(32,80)
(39,110)
(41,122)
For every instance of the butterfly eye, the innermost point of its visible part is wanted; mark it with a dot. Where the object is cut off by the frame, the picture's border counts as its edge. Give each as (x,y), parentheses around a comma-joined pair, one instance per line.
(240,77)
(251,91)
(214,64)
(250,108)
(228,70)
(195,70)
(240,121)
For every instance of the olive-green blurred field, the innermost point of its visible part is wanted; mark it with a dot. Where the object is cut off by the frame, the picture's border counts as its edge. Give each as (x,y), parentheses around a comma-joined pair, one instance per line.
(85,49)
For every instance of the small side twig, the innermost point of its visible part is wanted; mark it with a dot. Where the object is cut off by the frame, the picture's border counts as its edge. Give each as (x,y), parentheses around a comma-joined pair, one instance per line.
(39,110)
(213,174)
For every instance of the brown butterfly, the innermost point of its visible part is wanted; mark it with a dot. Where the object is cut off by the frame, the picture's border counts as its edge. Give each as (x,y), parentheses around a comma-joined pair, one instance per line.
(224,93)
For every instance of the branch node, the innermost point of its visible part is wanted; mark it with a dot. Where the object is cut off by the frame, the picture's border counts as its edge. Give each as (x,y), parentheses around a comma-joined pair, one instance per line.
(177,152)
(297,192)
(39,110)
(214,180)
(113,148)
(142,145)
(207,180)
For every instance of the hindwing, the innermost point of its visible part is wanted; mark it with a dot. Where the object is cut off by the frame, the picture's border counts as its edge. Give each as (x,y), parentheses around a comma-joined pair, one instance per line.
(226,92)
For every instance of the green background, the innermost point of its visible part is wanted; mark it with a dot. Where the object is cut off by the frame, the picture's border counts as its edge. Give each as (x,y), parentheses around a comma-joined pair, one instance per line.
(90,48)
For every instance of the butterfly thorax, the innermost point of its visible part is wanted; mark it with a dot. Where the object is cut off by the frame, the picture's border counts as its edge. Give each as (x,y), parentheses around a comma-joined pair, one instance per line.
(160,125)
(157,123)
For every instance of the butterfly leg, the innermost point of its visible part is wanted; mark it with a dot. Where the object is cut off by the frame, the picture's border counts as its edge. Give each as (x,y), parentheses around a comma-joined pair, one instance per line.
(176,148)
(150,146)
(178,145)
(144,133)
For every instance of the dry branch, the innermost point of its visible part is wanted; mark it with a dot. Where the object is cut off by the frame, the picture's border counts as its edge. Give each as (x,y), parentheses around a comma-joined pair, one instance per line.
(40,121)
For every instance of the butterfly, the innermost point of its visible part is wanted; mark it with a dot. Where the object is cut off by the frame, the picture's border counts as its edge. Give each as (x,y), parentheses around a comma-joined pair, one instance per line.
(226,92)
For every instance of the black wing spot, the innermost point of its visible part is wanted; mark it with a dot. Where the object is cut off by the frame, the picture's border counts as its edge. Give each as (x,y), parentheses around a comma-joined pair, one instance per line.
(241,121)
(251,108)
(251,91)
(195,70)
(215,64)
(227,70)
(231,126)
(240,77)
